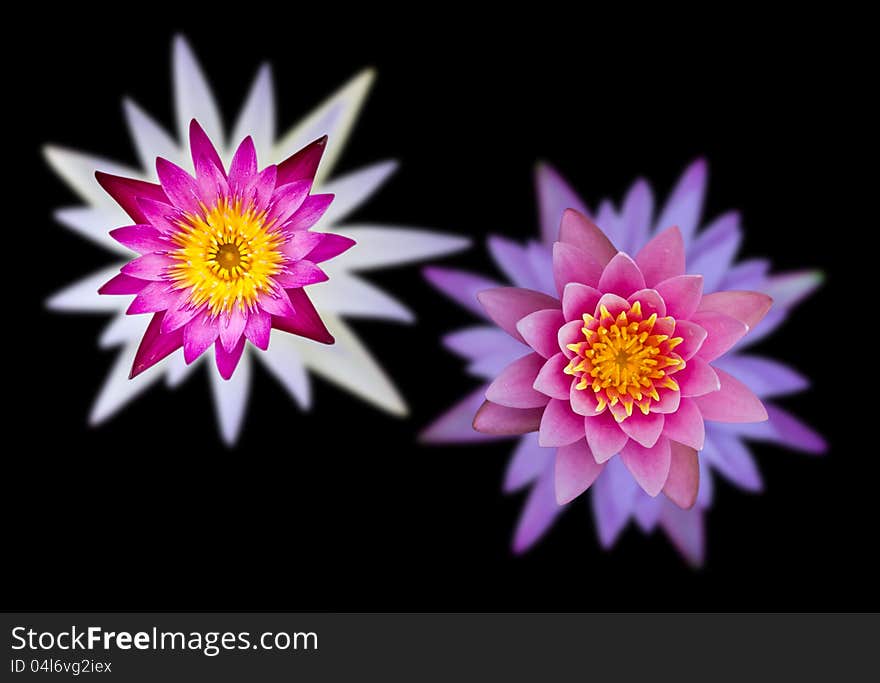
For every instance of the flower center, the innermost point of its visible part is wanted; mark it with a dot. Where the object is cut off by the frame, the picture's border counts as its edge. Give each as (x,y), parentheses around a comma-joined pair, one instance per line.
(624,360)
(226,256)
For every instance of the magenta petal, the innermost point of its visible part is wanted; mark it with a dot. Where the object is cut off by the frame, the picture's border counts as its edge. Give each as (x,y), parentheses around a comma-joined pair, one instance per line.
(161,215)
(180,186)
(578,299)
(303,164)
(508,305)
(604,436)
(179,314)
(651,302)
(126,192)
(201,147)
(513,387)
(621,276)
(227,361)
(570,333)
(722,330)
(301,243)
(232,327)
(123,284)
(697,378)
(560,425)
(154,297)
(141,238)
(154,346)
(243,168)
(575,471)
(579,231)
(460,285)
(286,199)
(747,307)
(571,264)
(583,401)
(310,212)
(649,466)
(300,274)
(663,257)
(668,403)
(198,334)
(492,418)
(149,267)
(645,429)
(210,175)
(693,336)
(540,329)
(615,305)
(734,402)
(683,482)
(306,322)
(258,327)
(682,295)
(686,425)
(277,303)
(263,186)
(330,247)
(551,379)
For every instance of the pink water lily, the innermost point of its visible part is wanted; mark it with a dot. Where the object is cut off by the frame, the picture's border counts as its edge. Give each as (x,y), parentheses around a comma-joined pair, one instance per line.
(621,362)
(224,256)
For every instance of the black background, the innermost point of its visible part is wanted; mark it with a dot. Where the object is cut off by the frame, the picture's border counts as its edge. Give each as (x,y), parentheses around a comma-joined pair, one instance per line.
(339,509)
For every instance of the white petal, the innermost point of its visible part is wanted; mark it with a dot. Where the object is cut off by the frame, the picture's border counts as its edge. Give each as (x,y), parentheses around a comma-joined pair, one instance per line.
(230,398)
(193,98)
(334,118)
(350,366)
(118,389)
(257,117)
(77,169)
(283,360)
(124,329)
(82,296)
(178,370)
(354,188)
(379,247)
(150,139)
(347,294)
(95,224)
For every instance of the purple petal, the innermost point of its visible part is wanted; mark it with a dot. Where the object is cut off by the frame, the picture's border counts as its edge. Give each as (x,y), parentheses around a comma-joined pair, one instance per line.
(575,471)
(330,247)
(243,169)
(286,199)
(210,175)
(513,387)
(685,530)
(508,305)
(492,418)
(637,211)
(715,248)
(613,496)
(231,328)
(539,513)
(456,425)
(554,197)
(513,260)
(767,378)
(527,463)
(460,286)
(729,455)
(685,204)
(789,289)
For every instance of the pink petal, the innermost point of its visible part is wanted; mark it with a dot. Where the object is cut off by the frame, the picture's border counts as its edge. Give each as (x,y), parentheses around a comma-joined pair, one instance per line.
(578,299)
(621,276)
(651,302)
(683,482)
(155,297)
(161,215)
(560,425)
(668,403)
(575,471)
(583,401)
(604,436)
(540,329)
(508,305)
(154,346)
(303,164)
(456,425)
(697,378)
(149,267)
(141,238)
(310,212)
(513,387)
(645,429)
(198,334)
(180,187)
(614,303)
(722,330)
(682,295)
(258,327)
(243,169)
(232,327)
(227,361)
(570,333)
(734,402)
(179,314)
(492,418)
(662,257)
(301,243)
(277,303)
(126,192)
(286,199)
(649,466)
(300,274)
(747,307)
(579,231)
(685,425)
(693,336)
(551,379)
(305,322)
(123,284)
(571,264)
(263,187)
(330,247)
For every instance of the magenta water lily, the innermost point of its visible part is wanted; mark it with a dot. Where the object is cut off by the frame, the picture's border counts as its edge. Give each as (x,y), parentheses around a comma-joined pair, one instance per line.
(224,257)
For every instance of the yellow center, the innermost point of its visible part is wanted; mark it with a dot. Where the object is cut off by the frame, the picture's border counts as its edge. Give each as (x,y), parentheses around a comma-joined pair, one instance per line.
(623,361)
(226,256)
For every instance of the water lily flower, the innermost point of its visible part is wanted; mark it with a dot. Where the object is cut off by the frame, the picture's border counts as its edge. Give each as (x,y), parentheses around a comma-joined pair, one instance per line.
(346,294)
(615,494)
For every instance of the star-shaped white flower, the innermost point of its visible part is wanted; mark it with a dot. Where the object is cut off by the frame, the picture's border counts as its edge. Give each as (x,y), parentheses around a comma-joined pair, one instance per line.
(347,363)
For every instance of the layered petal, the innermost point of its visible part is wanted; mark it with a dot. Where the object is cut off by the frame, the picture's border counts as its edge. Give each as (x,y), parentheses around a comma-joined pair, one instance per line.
(575,471)
(649,466)
(733,402)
